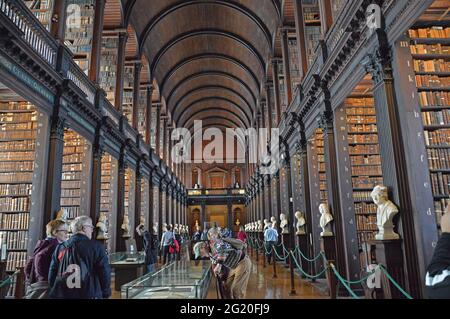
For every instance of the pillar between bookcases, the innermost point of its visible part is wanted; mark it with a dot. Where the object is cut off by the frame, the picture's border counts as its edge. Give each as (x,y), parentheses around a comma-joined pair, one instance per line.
(120,242)
(96,182)
(137,205)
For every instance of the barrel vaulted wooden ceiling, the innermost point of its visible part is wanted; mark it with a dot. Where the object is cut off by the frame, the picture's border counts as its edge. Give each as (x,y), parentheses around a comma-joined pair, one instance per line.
(210,58)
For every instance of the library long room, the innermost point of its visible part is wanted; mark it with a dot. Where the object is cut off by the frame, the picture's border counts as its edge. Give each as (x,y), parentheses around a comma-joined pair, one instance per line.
(259,149)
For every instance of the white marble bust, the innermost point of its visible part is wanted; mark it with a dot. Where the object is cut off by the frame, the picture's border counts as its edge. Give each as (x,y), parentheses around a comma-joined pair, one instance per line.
(266,224)
(164,227)
(325,220)
(284,225)
(260,226)
(101,227)
(142,220)
(126,227)
(155,227)
(386,211)
(62,214)
(274,222)
(300,223)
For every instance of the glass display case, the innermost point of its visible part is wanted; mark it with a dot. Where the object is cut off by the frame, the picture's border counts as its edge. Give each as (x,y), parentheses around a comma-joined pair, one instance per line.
(127,267)
(178,280)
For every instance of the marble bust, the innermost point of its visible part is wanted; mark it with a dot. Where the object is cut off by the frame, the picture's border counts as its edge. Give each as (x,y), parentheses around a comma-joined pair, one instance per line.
(164,227)
(386,211)
(300,223)
(284,224)
(266,224)
(260,226)
(62,215)
(325,220)
(126,227)
(274,222)
(101,226)
(155,227)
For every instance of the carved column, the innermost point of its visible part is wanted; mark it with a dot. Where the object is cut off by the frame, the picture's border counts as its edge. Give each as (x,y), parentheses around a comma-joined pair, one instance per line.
(269,105)
(120,242)
(136,93)
(58,21)
(148,115)
(158,130)
(394,166)
(268,188)
(160,209)
(301,39)
(137,204)
(286,66)
(123,36)
(94,66)
(276,90)
(97,153)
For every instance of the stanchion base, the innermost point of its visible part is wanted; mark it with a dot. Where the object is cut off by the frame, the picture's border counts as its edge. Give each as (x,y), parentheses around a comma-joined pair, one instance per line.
(293,293)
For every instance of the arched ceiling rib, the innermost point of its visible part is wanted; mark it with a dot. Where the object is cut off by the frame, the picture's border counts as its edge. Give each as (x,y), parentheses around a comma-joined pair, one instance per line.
(209,57)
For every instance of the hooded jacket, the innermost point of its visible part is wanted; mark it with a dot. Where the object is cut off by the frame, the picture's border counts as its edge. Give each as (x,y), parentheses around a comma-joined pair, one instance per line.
(38,265)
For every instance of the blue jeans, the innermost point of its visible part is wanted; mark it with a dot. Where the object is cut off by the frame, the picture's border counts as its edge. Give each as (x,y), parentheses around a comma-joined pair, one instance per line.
(150,268)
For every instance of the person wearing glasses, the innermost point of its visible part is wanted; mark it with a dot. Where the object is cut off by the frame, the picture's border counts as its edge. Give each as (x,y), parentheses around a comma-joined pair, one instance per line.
(38,265)
(80,267)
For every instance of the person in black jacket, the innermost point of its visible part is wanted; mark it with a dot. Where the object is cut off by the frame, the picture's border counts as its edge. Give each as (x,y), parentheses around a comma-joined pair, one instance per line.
(437,279)
(92,261)
(150,247)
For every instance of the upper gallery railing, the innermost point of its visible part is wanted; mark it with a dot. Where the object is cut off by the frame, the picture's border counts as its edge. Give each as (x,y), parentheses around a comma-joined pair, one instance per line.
(216,192)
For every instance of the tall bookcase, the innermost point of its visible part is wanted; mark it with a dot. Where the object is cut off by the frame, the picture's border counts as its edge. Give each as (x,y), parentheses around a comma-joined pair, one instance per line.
(79,31)
(430,51)
(19,139)
(130,178)
(145,196)
(364,153)
(108,196)
(142,114)
(75,175)
(311,16)
(127,102)
(108,66)
(42,9)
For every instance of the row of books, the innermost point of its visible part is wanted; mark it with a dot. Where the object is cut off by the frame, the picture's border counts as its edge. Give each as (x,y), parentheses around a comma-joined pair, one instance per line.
(73,158)
(17,156)
(432,32)
(8,204)
(364,237)
(436,118)
(437,138)
(71,175)
(439,208)
(366,170)
(366,138)
(72,211)
(362,119)
(434,98)
(432,81)
(366,159)
(72,167)
(15,189)
(70,192)
(17,135)
(73,149)
(362,196)
(17,145)
(364,149)
(353,105)
(16,166)
(108,66)
(362,128)
(438,158)
(366,222)
(9,177)
(70,201)
(365,208)
(436,65)
(23,117)
(14,221)
(366,182)
(16,106)
(430,49)
(13,127)
(16,260)
(440,183)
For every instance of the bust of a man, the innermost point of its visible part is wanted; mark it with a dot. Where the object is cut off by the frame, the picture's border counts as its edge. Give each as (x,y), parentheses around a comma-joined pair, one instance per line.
(274,222)
(284,224)
(164,227)
(266,224)
(126,227)
(300,223)
(62,214)
(386,211)
(155,228)
(260,225)
(101,227)
(325,220)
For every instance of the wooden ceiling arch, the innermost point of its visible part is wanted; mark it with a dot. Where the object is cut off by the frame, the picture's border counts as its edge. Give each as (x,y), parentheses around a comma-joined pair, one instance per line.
(204,115)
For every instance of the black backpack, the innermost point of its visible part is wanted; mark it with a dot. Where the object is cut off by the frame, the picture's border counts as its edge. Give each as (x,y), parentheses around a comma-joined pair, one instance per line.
(64,286)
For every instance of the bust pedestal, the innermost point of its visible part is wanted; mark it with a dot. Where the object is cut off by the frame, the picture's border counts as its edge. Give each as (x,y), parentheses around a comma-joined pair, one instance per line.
(285,239)
(328,246)
(302,243)
(389,254)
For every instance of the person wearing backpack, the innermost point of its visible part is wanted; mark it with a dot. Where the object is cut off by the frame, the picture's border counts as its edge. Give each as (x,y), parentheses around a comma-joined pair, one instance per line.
(80,267)
(150,247)
(36,270)
(228,256)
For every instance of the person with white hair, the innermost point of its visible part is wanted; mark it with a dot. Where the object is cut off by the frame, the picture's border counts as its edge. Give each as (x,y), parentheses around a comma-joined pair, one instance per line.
(85,260)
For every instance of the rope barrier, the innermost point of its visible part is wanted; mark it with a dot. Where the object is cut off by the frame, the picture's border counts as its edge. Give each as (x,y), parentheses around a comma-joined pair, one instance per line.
(8,281)
(408,296)
(306,258)
(338,276)
(279,257)
(306,274)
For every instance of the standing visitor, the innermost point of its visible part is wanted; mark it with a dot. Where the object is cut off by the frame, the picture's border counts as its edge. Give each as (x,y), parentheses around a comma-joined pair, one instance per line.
(37,268)
(83,261)
(241,235)
(150,247)
(167,240)
(270,239)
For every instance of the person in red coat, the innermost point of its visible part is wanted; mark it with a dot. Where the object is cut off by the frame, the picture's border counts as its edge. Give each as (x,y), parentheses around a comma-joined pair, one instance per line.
(241,234)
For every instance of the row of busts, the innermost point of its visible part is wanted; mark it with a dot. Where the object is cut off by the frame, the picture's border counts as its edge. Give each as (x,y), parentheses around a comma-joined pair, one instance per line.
(177,228)
(386,211)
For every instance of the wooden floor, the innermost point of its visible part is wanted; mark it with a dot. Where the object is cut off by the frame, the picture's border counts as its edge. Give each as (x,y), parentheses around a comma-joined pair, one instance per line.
(262,285)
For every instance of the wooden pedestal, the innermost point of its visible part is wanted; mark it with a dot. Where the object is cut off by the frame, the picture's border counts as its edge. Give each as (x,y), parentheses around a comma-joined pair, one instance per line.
(328,246)
(389,254)
(285,239)
(302,244)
